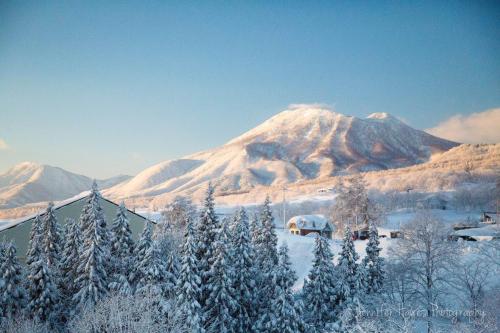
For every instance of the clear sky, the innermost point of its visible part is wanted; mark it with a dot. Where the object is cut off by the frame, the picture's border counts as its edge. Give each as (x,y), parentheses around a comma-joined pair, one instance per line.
(111,87)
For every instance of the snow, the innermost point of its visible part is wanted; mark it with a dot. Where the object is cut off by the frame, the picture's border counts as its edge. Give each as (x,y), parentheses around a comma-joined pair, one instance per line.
(396,220)
(301,248)
(309,222)
(29,183)
(301,251)
(4,224)
(487,232)
(302,143)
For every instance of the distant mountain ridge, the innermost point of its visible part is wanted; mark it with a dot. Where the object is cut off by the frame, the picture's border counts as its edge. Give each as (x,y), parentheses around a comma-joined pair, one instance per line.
(29,182)
(302,143)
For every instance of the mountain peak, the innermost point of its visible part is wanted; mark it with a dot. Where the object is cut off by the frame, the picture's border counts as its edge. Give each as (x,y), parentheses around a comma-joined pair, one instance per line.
(297,119)
(305,141)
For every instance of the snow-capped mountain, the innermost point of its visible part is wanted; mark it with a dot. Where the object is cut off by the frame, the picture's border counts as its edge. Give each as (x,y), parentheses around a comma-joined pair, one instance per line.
(302,143)
(30,182)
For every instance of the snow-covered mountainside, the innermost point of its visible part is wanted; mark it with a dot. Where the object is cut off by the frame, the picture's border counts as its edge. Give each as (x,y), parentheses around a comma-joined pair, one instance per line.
(30,182)
(301,143)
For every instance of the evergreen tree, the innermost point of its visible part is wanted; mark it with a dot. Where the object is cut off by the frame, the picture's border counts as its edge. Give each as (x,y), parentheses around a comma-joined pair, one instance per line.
(70,258)
(12,292)
(189,285)
(172,273)
(206,234)
(350,277)
(266,257)
(244,273)
(373,263)
(319,288)
(167,238)
(122,249)
(44,296)
(35,235)
(353,205)
(122,244)
(221,301)
(3,246)
(51,239)
(153,273)
(255,229)
(144,244)
(266,239)
(286,311)
(92,278)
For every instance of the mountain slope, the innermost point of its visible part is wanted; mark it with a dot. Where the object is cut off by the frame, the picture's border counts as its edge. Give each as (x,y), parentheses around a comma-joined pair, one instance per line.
(301,143)
(30,182)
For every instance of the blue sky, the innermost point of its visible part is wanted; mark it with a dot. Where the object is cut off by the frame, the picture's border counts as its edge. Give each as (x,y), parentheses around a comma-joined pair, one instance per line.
(111,88)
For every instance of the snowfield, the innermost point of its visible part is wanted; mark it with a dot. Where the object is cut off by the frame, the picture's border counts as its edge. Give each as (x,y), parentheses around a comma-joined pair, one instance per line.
(301,247)
(301,252)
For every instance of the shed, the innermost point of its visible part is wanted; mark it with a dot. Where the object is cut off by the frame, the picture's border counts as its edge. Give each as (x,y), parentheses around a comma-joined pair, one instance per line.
(488,217)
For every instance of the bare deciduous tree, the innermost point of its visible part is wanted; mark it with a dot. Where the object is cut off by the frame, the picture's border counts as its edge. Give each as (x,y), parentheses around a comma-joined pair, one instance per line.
(430,257)
(471,278)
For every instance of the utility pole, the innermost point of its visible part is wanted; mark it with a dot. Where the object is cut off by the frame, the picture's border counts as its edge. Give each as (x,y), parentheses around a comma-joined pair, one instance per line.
(283,203)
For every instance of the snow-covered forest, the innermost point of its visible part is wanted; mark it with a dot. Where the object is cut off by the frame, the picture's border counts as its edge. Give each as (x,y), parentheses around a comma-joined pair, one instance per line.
(197,272)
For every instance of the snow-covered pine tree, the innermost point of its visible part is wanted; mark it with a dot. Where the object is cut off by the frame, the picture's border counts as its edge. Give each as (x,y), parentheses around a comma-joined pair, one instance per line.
(168,239)
(172,273)
(244,273)
(122,244)
(142,247)
(35,235)
(266,239)
(44,297)
(3,246)
(189,285)
(207,231)
(319,287)
(353,204)
(93,211)
(52,242)
(12,292)
(255,228)
(350,278)
(285,314)
(221,302)
(122,250)
(70,258)
(266,260)
(92,277)
(373,263)
(153,273)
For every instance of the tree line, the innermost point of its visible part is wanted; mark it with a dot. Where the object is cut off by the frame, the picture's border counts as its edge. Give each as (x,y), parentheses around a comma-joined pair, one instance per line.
(222,276)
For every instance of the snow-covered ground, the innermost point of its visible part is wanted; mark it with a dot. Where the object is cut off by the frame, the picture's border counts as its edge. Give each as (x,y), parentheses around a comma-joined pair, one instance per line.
(301,251)
(301,248)
(397,219)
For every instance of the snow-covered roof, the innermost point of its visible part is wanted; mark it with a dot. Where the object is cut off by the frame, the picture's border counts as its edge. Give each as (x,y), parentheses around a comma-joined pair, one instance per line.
(58,204)
(488,232)
(310,222)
